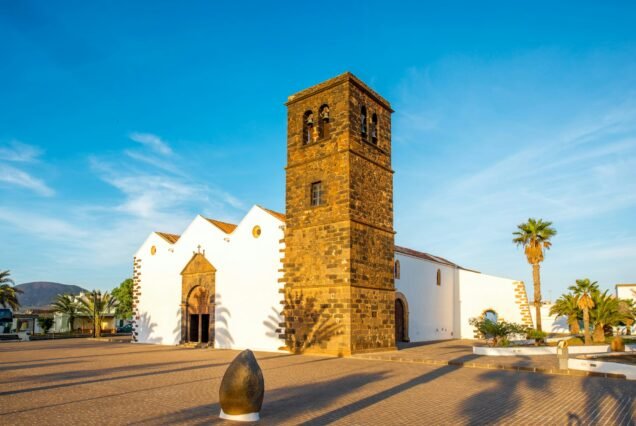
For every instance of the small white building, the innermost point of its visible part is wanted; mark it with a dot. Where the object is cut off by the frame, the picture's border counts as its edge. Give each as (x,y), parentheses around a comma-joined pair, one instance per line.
(221,283)
(626,291)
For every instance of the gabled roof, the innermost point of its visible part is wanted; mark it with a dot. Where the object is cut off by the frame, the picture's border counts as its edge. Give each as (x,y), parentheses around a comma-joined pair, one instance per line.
(425,256)
(228,228)
(279,216)
(171,238)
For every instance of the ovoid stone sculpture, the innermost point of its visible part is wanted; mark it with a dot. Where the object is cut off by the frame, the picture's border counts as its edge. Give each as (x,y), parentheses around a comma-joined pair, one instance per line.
(242,389)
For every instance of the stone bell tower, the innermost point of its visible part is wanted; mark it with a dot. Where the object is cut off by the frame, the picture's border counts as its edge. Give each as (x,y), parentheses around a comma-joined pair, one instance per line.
(338,263)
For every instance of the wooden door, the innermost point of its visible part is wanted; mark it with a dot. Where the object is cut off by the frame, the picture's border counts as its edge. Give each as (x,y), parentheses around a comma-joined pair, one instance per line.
(399,321)
(194,328)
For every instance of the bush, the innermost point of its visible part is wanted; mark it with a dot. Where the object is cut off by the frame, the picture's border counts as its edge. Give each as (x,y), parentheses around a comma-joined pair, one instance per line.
(504,342)
(499,331)
(538,336)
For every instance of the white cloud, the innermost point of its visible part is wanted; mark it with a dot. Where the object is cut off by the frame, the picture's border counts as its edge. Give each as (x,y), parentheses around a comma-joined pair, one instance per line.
(42,225)
(19,152)
(159,163)
(17,177)
(154,142)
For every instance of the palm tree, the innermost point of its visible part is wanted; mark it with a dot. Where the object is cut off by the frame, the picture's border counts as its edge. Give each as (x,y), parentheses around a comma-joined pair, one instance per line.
(585,291)
(566,306)
(8,293)
(534,235)
(65,304)
(606,313)
(97,305)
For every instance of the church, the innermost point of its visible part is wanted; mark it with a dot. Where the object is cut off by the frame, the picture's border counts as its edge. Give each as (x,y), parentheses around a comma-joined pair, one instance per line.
(325,276)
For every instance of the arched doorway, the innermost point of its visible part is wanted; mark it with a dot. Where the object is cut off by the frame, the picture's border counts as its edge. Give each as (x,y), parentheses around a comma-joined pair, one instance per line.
(401,318)
(198,315)
(197,300)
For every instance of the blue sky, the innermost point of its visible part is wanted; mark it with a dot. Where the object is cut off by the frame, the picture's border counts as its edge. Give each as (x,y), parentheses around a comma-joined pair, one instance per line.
(122,118)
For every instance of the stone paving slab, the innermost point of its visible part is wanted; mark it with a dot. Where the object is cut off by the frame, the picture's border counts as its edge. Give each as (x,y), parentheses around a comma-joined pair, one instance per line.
(460,353)
(91,382)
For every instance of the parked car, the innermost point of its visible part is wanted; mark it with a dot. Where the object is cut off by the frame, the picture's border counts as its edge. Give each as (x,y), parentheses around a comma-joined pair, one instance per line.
(125,329)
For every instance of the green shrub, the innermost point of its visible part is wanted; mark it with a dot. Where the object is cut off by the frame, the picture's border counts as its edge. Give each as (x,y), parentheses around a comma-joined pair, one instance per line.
(497,331)
(504,342)
(536,334)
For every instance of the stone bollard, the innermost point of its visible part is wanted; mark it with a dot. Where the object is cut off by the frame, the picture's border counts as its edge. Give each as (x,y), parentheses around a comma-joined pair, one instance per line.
(562,354)
(242,389)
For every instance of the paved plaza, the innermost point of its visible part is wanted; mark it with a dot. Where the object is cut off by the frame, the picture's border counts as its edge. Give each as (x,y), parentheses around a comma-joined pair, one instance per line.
(80,381)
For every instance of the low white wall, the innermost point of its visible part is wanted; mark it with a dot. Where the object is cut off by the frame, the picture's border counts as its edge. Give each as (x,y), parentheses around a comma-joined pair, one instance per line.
(430,306)
(538,350)
(479,292)
(603,367)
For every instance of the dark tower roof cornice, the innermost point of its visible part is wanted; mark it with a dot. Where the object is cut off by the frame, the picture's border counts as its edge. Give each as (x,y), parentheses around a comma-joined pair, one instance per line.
(342,78)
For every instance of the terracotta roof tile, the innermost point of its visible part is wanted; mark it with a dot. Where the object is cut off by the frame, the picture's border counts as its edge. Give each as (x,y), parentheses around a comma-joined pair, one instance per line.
(171,238)
(279,216)
(228,228)
(425,256)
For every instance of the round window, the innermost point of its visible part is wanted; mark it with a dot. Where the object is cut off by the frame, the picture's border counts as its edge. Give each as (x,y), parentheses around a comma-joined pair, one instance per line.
(256,231)
(153,250)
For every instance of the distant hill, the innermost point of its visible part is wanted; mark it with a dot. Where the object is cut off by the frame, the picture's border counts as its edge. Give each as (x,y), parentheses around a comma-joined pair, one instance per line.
(42,293)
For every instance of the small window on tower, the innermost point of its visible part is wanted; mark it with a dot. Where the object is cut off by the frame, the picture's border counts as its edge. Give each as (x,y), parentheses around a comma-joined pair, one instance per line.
(363,121)
(439,277)
(323,126)
(374,129)
(308,127)
(396,270)
(317,194)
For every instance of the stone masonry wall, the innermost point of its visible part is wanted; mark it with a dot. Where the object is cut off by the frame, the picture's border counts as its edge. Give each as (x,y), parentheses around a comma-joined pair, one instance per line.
(521,299)
(338,280)
(136,294)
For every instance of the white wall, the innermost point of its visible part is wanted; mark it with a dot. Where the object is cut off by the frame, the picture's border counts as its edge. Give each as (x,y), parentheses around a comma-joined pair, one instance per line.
(160,286)
(248,300)
(626,292)
(247,297)
(478,292)
(550,324)
(430,305)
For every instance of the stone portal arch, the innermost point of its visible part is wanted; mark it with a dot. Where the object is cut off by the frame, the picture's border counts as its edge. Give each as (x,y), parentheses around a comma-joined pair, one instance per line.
(197,300)
(401,318)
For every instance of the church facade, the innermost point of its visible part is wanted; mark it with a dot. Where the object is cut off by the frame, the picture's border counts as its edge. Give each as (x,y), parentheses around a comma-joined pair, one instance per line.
(326,276)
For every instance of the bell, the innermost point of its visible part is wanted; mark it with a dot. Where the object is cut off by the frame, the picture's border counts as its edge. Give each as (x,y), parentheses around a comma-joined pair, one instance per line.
(310,121)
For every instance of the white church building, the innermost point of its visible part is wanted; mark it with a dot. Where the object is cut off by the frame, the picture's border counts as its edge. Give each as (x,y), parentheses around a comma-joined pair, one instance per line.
(435,298)
(223,284)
